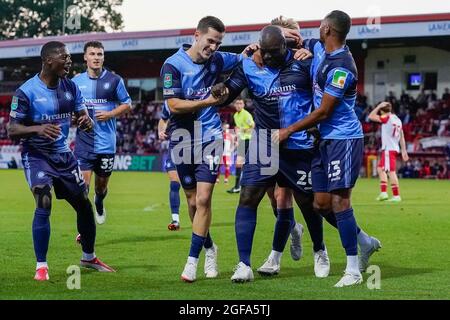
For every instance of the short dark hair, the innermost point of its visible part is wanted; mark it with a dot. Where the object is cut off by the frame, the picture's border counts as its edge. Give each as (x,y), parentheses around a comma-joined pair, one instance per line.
(210,22)
(93,44)
(51,47)
(340,22)
(272,34)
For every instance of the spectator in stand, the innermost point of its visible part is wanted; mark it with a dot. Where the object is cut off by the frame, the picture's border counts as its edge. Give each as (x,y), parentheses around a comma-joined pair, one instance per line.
(442,131)
(446,95)
(158,112)
(12,164)
(422,97)
(431,96)
(3,132)
(447,150)
(392,99)
(407,171)
(404,98)
(417,165)
(437,170)
(407,118)
(426,170)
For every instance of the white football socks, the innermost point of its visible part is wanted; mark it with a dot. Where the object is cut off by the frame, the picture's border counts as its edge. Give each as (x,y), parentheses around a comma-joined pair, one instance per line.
(276,256)
(88,256)
(192,260)
(352,265)
(41,265)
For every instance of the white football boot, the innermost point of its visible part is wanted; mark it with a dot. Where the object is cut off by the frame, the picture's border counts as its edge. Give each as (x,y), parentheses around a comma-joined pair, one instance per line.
(211,269)
(321,264)
(242,273)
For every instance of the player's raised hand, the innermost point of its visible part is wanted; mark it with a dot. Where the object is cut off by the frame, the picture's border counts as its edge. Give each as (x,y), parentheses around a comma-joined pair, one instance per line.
(250,49)
(302,54)
(85,122)
(382,105)
(293,35)
(49,131)
(258,59)
(103,115)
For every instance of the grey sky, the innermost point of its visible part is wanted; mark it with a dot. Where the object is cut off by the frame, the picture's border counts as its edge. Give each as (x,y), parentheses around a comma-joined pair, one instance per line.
(144,15)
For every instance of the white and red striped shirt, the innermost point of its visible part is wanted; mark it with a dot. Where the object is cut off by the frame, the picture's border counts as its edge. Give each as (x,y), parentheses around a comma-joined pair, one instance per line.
(391,127)
(227,144)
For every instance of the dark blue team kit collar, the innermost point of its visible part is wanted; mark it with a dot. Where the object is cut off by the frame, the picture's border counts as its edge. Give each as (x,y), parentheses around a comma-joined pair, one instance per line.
(99,77)
(337,51)
(43,85)
(184,48)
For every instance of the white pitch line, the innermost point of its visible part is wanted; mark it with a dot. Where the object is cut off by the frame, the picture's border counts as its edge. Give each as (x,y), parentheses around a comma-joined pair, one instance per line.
(152,207)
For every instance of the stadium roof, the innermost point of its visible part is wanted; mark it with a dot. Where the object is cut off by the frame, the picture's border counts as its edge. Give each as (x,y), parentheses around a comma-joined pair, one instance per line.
(427,25)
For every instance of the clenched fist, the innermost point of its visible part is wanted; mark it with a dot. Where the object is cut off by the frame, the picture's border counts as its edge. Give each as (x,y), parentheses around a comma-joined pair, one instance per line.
(219,90)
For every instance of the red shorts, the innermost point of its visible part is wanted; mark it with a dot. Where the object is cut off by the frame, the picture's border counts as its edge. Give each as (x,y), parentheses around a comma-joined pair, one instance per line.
(226,160)
(388,161)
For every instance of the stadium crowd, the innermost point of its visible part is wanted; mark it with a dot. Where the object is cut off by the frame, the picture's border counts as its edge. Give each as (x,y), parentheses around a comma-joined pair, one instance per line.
(423,116)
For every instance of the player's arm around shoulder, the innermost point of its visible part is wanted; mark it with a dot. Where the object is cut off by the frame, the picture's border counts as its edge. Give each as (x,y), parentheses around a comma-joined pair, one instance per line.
(173,94)
(179,106)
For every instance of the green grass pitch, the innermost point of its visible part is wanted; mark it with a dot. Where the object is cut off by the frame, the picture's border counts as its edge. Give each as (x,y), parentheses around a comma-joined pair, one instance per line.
(414,260)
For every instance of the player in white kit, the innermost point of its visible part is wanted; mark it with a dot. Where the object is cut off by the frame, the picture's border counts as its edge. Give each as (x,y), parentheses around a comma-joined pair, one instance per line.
(228,146)
(391,137)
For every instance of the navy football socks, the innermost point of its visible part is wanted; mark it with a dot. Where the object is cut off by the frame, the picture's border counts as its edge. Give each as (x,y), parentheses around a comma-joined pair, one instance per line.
(99,201)
(314,223)
(347,231)
(196,245)
(174,197)
(41,233)
(245,229)
(283,226)
(208,241)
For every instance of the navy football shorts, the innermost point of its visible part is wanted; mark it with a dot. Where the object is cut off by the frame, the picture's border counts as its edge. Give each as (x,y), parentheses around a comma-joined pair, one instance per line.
(101,164)
(336,164)
(200,165)
(294,171)
(169,165)
(58,170)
